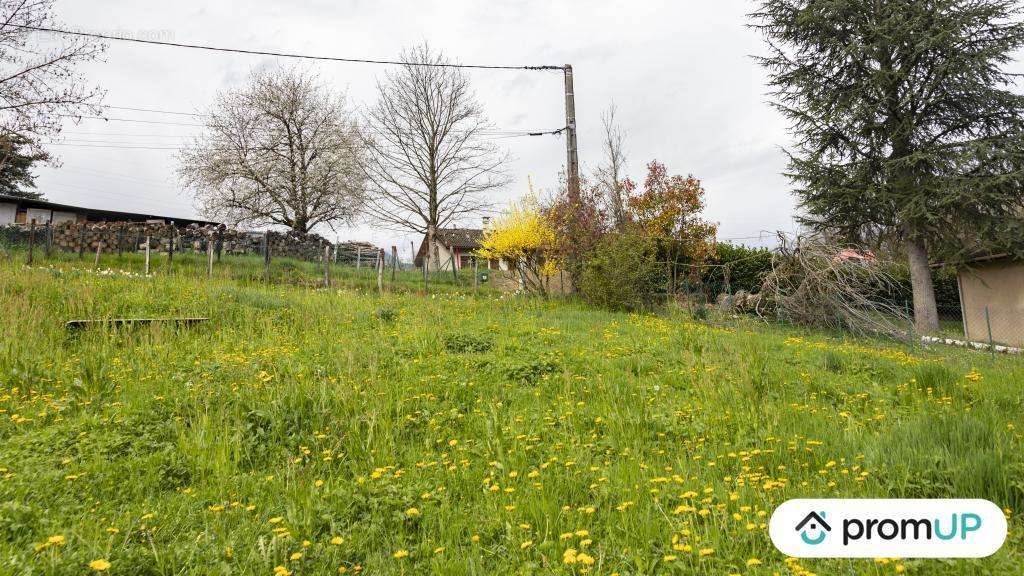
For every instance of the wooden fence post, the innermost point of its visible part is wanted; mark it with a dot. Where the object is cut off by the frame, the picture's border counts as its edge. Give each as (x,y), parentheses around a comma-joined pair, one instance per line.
(380,270)
(455,271)
(99,248)
(426,272)
(81,241)
(327,265)
(394,263)
(266,256)
(170,247)
(148,240)
(991,341)
(31,240)
(476,274)
(359,257)
(209,257)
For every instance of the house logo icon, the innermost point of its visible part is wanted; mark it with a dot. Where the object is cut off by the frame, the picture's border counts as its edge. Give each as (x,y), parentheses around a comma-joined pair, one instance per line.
(813,529)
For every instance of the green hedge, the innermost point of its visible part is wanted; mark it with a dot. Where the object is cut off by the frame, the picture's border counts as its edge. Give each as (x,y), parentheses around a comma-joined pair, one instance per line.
(748,268)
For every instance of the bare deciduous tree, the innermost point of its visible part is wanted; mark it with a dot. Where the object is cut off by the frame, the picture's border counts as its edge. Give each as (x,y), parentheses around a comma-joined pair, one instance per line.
(281,151)
(611,173)
(40,86)
(428,163)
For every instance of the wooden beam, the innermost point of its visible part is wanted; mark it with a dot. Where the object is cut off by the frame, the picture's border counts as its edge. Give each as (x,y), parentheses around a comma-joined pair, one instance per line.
(74,324)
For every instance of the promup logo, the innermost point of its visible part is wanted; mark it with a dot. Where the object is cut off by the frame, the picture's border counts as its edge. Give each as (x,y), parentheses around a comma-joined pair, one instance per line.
(888,528)
(813,523)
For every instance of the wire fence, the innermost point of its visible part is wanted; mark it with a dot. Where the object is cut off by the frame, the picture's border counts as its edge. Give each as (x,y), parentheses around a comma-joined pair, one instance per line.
(979,326)
(214,251)
(310,260)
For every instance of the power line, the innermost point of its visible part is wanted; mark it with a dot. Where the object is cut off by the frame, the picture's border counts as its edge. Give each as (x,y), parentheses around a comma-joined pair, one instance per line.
(514,133)
(113,147)
(128,145)
(152,110)
(112,195)
(92,173)
(128,120)
(125,134)
(279,54)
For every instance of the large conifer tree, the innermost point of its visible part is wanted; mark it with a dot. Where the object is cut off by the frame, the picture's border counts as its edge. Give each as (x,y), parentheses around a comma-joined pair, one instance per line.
(905,123)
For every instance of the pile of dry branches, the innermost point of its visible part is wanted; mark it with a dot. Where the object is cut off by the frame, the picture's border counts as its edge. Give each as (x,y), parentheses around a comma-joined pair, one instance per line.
(817,283)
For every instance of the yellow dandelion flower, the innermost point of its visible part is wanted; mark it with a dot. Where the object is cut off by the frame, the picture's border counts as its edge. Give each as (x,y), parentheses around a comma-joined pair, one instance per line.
(100,565)
(706,551)
(412,512)
(399,554)
(753,562)
(337,540)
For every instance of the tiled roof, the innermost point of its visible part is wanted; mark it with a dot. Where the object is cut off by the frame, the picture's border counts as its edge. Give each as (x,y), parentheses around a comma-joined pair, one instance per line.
(466,238)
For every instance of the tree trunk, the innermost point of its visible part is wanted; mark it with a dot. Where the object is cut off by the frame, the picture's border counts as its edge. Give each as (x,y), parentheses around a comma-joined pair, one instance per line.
(434,255)
(926,312)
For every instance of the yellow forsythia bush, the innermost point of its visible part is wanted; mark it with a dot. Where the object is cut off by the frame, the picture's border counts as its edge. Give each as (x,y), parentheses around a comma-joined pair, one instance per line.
(522,237)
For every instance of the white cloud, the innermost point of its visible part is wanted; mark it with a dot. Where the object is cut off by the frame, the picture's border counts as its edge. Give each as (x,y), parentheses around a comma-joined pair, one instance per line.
(680,73)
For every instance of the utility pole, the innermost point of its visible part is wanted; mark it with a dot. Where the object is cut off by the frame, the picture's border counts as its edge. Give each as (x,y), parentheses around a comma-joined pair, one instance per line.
(572,166)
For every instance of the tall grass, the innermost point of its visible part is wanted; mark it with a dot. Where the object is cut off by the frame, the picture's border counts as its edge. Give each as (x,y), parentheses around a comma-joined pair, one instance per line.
(314,431)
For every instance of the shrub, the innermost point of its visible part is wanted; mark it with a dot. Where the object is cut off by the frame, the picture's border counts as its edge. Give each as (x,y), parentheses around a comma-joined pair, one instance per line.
(524,238)
(748,268)
(529,371)
(467,344)
(623,273)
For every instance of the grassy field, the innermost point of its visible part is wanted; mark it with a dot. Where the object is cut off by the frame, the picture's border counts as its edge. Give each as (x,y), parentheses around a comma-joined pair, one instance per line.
(338,431)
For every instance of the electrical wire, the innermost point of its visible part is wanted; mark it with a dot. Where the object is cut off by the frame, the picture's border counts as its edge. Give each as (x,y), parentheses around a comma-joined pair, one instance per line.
(128,120)
(277,54)
(510,133)
(152,110)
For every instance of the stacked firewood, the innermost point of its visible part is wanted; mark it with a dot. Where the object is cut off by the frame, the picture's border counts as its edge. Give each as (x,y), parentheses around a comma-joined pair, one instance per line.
(131,236)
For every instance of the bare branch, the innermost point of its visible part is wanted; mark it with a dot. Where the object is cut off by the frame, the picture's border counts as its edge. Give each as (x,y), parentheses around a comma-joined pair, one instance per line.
(39,83)
(282,151)
(428,164)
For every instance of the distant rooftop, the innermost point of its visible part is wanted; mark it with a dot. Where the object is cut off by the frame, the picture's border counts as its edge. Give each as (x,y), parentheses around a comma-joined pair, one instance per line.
(95,214)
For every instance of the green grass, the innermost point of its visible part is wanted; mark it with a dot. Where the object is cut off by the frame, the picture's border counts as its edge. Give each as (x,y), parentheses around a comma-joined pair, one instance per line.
(249,269)
(296,416)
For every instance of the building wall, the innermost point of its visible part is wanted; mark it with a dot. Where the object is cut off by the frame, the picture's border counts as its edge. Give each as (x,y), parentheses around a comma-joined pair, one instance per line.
(443,261)
(999,286)
(8,213)
(42,217)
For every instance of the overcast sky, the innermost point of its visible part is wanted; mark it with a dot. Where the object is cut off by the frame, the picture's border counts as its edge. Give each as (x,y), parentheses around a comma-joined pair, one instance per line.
(679,71)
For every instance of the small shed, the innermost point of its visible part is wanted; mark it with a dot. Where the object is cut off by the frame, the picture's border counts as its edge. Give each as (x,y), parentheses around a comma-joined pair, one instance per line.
(992,295)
